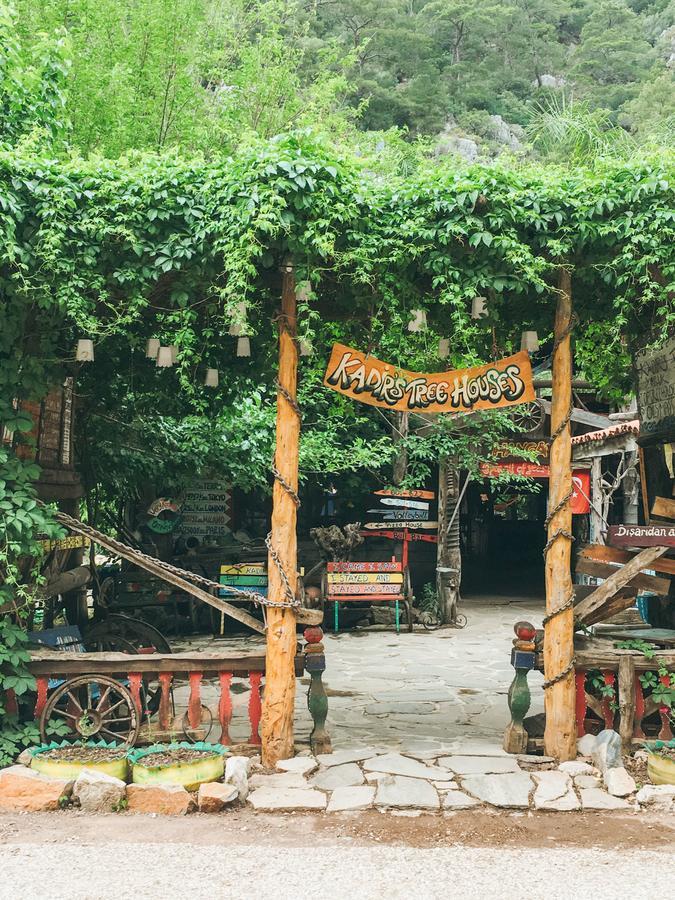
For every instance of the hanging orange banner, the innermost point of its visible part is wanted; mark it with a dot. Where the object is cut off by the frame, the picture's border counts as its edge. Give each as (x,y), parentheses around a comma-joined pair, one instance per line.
(368,380)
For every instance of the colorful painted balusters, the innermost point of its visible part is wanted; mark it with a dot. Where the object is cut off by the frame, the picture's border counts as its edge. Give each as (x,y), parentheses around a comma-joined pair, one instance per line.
(317,699)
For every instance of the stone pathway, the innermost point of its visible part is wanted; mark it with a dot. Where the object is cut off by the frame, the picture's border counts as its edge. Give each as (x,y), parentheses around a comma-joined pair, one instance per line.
(407,692)
(459,775)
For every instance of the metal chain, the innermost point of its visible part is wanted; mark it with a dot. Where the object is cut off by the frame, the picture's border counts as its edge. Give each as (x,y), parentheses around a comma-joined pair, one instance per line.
(292,600)
(97,537)
(560,532)
(290,399)
(285,485)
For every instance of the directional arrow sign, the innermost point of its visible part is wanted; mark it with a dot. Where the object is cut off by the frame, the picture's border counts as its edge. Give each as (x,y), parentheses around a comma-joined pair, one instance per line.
(400,514)
(378,526)
(417,495)
(408,504)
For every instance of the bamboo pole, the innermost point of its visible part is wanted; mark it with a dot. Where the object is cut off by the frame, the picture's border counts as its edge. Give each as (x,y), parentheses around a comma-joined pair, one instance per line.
(559,697)
(277,720)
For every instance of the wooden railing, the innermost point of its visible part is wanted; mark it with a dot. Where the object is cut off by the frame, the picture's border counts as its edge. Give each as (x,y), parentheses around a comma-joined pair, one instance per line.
(624,701)
(137,671)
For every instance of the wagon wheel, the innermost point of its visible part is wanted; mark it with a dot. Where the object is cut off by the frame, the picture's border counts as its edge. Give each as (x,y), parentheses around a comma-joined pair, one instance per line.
(527,417)
(116,627)
(205,725)
(93,706)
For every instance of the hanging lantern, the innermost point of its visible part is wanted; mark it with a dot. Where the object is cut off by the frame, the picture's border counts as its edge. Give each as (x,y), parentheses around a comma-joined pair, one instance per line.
(303,292)
(211,379)
(444,348)
(418,321)
(174,354)
(152,348)
(238,327)
(529,341)
(243,346)
(164,358)
(85,350)
(478,308)
(305,347)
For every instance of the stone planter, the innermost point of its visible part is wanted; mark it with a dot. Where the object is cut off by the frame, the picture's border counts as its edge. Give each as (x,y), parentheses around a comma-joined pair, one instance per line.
(661,768)
(68,760)
(181,763)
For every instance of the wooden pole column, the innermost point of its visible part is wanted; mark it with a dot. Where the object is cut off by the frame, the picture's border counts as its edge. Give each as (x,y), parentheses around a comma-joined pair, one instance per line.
(559,694)
(277,721)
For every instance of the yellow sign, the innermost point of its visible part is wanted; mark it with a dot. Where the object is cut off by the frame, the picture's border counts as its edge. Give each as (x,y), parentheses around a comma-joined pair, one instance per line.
(368,380)
(72,542)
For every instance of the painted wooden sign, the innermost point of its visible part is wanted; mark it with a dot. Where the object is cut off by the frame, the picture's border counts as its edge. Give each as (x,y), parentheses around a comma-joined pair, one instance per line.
(365,577)
(641,535)
(244,580)
(392,566)
(400,514)
(406,504)
(364,589)
(492,386)
(504,450)
(243,569)
(526,469)
(655,370)
(72,542)
(207,509)
(414,494)
(375,526)
(401,536)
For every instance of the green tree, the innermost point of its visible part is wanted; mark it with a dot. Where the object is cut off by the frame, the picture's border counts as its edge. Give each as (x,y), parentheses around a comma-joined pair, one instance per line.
(613,55)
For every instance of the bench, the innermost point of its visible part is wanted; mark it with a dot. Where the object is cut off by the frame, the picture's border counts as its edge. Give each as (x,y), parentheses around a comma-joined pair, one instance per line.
(368,582)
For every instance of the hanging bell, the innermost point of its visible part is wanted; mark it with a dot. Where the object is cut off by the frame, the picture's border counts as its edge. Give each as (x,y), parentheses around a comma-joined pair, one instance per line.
(478,308)
(152,348)
(303,292)
(85,350)
(164,358)
(243,346)
(305,347)
(418,321)
(211,379)
(529,340)
(444,348)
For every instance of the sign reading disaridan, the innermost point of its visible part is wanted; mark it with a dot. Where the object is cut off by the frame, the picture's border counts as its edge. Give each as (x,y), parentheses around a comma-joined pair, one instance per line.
(368,380)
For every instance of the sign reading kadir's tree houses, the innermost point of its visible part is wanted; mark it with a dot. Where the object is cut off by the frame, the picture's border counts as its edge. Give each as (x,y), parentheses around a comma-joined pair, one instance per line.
(505,382)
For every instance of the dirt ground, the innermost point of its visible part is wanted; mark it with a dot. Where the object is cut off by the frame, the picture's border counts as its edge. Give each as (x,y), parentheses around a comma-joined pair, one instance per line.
(613,830)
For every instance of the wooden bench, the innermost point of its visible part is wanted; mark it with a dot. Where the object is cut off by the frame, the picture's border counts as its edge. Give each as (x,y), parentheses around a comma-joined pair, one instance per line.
(368,582)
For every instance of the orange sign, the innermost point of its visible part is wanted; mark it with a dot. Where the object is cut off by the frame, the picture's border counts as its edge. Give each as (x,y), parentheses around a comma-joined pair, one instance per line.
(491,386)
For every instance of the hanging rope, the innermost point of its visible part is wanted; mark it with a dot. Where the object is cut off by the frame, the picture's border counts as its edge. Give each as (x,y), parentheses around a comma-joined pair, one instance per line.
(560,533)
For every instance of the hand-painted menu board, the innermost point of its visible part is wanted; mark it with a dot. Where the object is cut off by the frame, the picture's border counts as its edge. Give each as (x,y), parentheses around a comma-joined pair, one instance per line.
(368,380)
(207,510)
(655,369)
(404,509)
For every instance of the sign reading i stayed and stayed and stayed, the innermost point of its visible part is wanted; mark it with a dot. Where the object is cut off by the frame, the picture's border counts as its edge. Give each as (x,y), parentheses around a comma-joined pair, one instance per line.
(492,386)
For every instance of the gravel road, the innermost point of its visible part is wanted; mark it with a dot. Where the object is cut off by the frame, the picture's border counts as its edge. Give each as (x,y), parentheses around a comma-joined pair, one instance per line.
(159,872)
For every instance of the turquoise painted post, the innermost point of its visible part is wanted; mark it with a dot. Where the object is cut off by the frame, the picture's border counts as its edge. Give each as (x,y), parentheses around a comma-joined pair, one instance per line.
(336,616)
(317,699)
(398,619)
(523,660)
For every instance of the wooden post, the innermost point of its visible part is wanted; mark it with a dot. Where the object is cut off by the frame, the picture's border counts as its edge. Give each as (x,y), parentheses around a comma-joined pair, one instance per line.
(400,431)
(448,557)
(559,697)
(277,722)
(596,501)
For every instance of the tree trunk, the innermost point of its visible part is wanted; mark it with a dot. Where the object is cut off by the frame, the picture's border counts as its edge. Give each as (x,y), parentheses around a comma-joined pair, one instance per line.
(277,722)
(400,431)
(559,698)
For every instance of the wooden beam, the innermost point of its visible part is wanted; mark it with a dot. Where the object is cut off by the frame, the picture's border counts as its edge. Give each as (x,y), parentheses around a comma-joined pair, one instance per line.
(582,416)
(619,579)
(663,508)
(560,736)
(604,553)
(279,705)
(56,662)
(639,582)
(626,700)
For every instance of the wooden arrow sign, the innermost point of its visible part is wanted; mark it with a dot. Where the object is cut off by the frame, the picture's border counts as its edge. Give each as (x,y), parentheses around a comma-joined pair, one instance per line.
(401,536)
(400,514)
(378,526)
(407,504)
(413,495)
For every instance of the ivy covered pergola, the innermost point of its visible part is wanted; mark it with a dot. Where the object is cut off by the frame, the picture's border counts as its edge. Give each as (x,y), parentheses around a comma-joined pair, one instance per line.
(161,247)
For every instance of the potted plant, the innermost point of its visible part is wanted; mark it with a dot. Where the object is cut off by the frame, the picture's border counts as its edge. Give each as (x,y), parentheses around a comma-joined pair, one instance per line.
(178,763)
(661,762)
(68,760)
